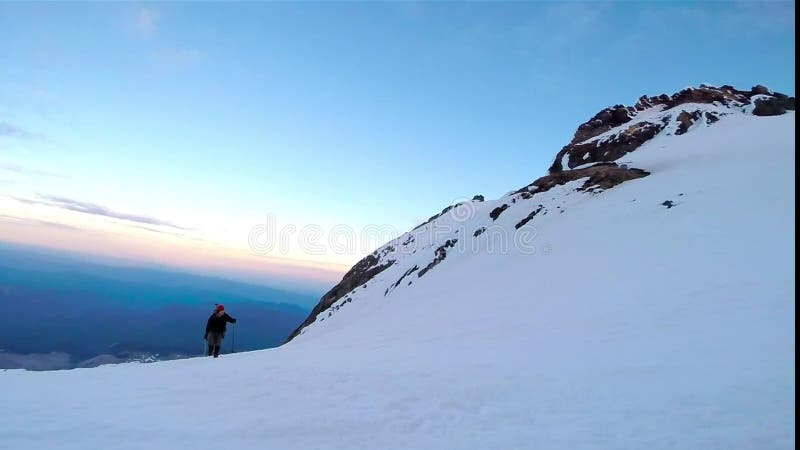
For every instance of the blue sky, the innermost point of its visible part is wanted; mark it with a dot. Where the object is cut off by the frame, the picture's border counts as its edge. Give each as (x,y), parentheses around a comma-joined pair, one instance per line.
(162,128)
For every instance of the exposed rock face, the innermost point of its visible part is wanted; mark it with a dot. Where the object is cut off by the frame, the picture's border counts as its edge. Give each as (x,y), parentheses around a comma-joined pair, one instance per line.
(711,117)
(497,211)
(601,122)
(774,106)
(602,176)
(529,217)
(362,272)
(589,146)
(686,120)
(590,156)
(761,90)
(397,283)
(441,254)
(444,211)
(610,150)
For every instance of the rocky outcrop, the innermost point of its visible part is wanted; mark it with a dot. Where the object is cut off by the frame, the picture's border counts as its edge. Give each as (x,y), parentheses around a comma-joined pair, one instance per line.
(773,106)
(600,176)
(609,150)
(529,217)
(400,280)
(588,146)
(495,213)
(440,255)
(686,120)
(436,216)
(602,122)
(361,273)
(590,156)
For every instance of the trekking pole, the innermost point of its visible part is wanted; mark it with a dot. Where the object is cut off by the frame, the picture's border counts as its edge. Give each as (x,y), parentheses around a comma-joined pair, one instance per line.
(233,338)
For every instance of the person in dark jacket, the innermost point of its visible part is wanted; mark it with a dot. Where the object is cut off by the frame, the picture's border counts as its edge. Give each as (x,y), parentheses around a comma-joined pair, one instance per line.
(215,329)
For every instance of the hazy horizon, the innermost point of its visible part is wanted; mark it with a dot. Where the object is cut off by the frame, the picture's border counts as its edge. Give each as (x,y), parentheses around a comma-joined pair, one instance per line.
(313,289)
(72,312)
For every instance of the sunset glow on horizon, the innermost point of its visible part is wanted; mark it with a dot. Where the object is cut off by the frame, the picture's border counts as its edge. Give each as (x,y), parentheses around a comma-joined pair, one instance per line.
(50,227)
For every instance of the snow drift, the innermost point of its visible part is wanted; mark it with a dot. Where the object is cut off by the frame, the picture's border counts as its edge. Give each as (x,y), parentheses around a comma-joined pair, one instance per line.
(638,297)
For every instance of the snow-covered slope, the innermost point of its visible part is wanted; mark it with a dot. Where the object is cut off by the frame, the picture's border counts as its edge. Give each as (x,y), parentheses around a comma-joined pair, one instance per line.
(646,302)
(606,151)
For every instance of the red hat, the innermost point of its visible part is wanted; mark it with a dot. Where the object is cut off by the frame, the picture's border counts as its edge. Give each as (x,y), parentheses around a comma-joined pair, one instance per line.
(220,308)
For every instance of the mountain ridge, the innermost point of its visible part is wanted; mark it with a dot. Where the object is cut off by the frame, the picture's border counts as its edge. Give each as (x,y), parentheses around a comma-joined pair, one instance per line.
(659,313)
(591,155)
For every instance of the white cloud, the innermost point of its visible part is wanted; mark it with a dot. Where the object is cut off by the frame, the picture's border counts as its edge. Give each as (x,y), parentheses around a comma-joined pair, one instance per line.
(11,130)
(19,170)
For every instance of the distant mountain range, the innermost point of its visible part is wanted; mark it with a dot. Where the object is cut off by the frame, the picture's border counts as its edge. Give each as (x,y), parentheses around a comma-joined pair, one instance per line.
(66,312)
